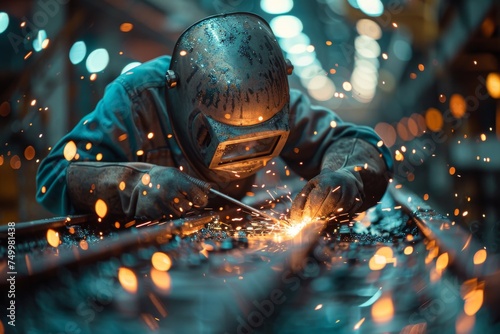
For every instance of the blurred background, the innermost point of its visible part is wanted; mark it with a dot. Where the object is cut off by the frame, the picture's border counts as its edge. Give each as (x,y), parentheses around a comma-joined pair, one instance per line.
(424,73)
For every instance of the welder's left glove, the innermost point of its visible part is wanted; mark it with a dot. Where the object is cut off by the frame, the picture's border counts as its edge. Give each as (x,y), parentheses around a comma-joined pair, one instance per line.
(353,178)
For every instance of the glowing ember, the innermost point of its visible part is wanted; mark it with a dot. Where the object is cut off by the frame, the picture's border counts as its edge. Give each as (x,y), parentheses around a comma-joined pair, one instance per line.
(295,228)
(383,256)
(15,162)
(480,256)
(359,323)
(146,179)
(53,238)
(473,301)
(383,309)
(467,242)
(408,250)
(84,245)
(101,208)
(127,279)
(442,262)
(69,150)
(161,261)
(126,27)
(29,152)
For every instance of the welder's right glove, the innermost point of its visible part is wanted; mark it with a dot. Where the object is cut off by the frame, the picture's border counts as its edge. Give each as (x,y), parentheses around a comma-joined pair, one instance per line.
(354,176)
(133,190)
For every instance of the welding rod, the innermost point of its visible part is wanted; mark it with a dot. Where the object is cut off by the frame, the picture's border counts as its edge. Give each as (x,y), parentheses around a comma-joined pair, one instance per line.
(208,187)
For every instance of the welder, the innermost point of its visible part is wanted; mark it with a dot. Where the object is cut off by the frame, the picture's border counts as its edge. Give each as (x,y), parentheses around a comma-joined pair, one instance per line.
(218,109)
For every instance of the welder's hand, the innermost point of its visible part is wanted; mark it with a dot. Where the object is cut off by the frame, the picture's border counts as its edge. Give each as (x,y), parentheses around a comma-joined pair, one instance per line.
(167,190)
(331,193)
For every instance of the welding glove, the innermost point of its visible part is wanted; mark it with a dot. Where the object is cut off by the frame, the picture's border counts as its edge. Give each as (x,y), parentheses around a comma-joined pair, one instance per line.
(353,178)
(134,190)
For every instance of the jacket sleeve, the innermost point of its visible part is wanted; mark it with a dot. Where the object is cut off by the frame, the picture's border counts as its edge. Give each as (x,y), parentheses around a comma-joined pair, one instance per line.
(106,134)
(314,133)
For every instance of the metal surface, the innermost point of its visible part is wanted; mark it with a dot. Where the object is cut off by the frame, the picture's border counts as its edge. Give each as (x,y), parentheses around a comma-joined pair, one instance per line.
(383,273)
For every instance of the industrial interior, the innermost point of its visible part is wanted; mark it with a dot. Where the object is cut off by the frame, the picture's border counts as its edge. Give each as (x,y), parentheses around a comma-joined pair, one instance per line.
(425,74)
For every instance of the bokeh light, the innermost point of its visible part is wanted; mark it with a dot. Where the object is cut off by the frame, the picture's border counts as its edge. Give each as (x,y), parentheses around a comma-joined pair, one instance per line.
(493,85)
(127,279)
(53,238)
(77,52)
(286,26)
(434,119)
(4,21)
(276,6)
(372,8)
(130,66)
(369,28)
(97,60)
(458,106)
(161,261)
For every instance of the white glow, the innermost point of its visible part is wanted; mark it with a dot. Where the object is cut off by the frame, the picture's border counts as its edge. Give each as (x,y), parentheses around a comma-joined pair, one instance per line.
(367,46)
(302,59)
(371,7)
(347,86)
(363,80)
(77,52)
(286,26)
(276,6)
(289,43)
(321,88)
(369,28)
(363,96)
(4,21)
(366,66)
(298,48)
(38,41)
(130,66)
(308,71)
(97,60)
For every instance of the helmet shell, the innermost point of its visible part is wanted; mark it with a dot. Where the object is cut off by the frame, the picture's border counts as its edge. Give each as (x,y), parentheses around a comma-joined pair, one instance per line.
(230,69)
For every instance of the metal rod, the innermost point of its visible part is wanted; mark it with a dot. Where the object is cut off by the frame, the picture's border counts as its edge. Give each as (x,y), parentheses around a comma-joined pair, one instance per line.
(208,187)
(243,205)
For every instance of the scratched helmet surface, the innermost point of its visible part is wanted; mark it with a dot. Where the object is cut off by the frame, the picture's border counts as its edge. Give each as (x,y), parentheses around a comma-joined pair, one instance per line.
(227,83)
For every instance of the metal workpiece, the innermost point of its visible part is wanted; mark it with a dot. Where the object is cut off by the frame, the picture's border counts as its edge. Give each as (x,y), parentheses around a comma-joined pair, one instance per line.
(382,272)
(74,249)
(468,259)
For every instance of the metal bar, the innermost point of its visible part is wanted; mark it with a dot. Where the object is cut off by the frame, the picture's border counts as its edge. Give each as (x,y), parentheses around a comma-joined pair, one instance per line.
(33,265)
(28,228)
(460,245)
(244,206)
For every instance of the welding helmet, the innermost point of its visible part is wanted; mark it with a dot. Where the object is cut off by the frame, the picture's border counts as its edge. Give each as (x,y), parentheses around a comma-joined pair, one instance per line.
(228,94)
